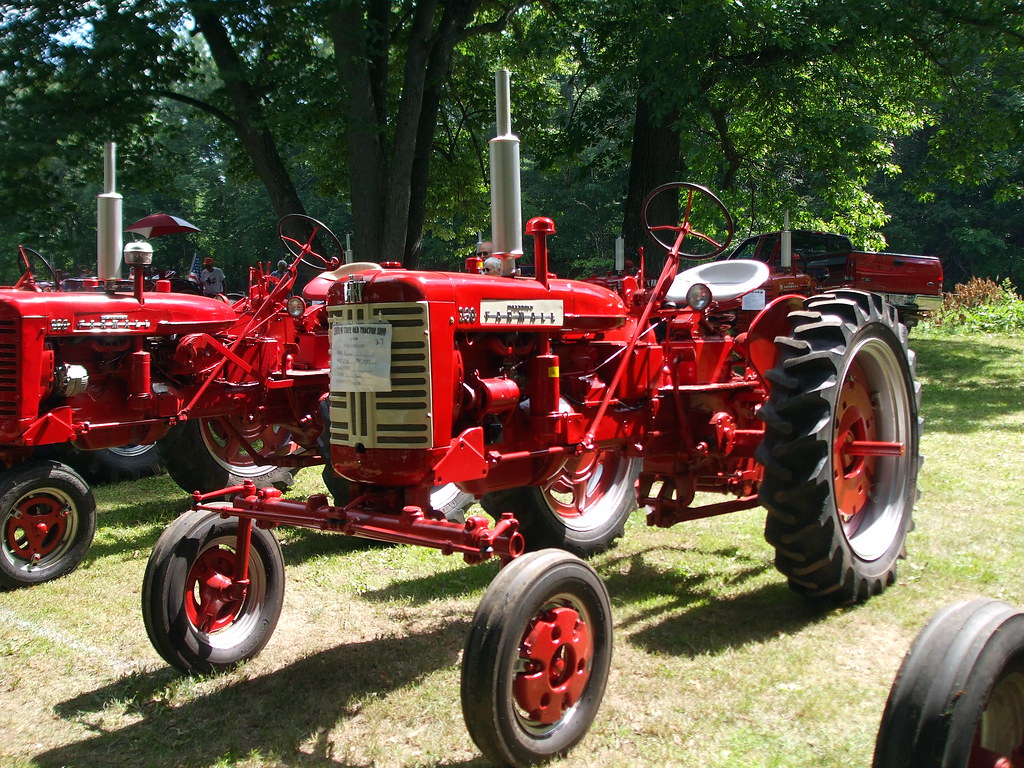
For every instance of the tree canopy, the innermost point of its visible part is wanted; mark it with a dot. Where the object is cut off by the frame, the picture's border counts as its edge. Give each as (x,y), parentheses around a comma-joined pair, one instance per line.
(880,119)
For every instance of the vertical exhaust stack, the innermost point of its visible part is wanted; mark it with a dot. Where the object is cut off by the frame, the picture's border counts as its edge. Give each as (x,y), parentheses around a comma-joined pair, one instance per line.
(506,196)
(786,244)
(109,238)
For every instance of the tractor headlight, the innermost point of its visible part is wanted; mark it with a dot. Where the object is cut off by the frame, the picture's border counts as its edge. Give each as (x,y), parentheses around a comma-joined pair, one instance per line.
(296,306)
(698,296)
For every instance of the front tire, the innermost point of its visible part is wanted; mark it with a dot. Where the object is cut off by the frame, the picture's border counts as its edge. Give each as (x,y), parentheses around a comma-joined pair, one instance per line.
(958,698)
(204,455)
(841,447)
(582,510)
(48,517)
(536,659)
(197,616)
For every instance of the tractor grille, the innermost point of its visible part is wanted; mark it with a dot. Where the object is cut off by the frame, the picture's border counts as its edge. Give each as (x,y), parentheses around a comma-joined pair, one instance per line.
(400,418)
(9,346)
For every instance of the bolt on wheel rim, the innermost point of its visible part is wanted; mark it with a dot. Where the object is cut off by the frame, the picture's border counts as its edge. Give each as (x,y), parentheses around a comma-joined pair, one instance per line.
(584,494)
(229,452)
(40,528)
(216,606)
(554,666)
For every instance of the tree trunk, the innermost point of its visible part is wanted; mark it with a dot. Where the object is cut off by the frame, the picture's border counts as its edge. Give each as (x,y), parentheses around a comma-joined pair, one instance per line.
(655,160)
(248,122)
(390,166)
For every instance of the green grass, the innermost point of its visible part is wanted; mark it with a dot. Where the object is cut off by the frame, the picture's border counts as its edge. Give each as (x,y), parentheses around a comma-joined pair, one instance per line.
(717,663)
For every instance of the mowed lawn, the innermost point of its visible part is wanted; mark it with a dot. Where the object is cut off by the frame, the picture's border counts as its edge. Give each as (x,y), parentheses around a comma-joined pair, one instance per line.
(717,662)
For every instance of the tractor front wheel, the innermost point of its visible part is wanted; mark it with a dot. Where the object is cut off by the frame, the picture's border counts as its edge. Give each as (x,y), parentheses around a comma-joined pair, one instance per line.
(200,616)
(958,698)
(841,447)
(47,519)
(536,659)
(582,510)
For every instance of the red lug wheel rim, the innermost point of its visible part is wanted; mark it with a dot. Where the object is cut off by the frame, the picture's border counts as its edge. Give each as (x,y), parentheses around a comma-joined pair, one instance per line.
(36,527)
(555,662)
(226,439)
(852,474)
(212,598)
(873,443)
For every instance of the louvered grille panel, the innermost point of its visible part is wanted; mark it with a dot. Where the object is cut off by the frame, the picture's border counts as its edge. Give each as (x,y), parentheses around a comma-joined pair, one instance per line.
(9,345)
(399,418)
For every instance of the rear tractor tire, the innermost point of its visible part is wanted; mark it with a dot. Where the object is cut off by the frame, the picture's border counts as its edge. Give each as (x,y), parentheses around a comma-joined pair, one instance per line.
(583,510)
(204,455)
(841,448)
(47,521)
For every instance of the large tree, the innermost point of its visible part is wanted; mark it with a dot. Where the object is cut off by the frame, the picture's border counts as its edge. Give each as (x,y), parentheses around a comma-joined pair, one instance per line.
(350,83)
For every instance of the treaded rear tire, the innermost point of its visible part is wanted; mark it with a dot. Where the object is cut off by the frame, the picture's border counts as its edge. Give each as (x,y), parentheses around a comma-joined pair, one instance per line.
(583,510)
(191,462)
(839,521)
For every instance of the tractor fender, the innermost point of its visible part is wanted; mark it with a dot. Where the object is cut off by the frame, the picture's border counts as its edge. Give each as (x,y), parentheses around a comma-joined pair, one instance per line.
(773,321)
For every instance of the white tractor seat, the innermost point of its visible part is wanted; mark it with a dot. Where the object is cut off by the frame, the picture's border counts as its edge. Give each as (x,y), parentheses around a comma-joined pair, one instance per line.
(726,279)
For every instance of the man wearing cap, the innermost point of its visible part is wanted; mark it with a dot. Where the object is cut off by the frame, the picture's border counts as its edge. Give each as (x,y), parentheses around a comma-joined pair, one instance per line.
(211,278)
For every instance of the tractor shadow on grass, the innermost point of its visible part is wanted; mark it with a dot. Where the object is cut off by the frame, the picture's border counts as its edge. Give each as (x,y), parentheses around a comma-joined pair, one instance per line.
(286,716)
(661,600)
(666,607)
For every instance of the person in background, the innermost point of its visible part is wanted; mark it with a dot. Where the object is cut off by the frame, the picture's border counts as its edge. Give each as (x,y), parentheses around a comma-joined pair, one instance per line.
(211,278)
(491,263)
(282,267)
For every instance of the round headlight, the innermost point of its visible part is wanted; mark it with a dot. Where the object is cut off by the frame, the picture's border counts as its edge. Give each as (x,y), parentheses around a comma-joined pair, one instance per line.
(698,296)
(296,306)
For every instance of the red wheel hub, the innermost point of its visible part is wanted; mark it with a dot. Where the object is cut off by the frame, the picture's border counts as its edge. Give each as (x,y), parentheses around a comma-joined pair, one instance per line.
(36,528)
(213,597)
(580,484)
(856,447)
(556,654)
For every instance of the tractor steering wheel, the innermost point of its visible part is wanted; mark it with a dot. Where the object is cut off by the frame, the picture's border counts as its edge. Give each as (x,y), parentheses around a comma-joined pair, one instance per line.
(699,214)
(27,281)
(304,237)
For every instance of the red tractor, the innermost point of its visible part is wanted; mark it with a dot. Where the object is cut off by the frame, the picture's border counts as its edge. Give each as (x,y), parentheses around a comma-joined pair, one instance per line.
(232,391)
(562,404)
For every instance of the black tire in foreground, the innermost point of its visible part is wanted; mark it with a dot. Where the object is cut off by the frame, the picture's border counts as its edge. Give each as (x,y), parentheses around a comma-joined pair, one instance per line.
(536,659)
(198,617)
(583,510)
(958,698)
(47,521)
(204,455)
(841,447)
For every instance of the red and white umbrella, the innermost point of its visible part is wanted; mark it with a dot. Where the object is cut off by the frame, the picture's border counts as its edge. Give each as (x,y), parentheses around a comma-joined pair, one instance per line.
(157,224)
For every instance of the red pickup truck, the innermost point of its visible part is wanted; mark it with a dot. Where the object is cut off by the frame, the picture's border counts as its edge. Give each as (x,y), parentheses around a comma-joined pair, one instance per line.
(912,284)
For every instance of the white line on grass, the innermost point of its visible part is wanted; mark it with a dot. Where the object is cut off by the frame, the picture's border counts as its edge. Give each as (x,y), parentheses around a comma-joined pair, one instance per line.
(67,640)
